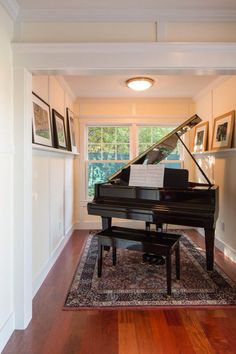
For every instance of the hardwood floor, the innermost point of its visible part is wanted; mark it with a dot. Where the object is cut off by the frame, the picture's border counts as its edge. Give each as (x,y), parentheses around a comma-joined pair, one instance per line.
(149,331)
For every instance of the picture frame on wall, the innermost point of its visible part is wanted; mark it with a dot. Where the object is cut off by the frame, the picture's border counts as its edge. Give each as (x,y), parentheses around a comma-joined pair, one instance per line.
(223,131)
(41,122)
(59,130)
(200,137)
(72,143)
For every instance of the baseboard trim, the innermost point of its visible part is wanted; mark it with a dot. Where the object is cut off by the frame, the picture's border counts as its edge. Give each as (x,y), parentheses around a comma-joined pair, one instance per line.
(6,330)
(222,246)
(226,249)
(40,277)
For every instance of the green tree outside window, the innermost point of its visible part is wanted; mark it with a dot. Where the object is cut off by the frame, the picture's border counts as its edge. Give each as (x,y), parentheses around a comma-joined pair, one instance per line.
(109,147)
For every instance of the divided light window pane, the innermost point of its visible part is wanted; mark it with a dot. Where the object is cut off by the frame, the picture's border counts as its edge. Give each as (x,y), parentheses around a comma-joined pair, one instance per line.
(108,143)
(108,150)
(147,136)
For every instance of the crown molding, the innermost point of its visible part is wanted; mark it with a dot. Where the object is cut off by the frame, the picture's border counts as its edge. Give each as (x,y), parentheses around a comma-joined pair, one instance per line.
(12,7)
(122,15)
(125,47)
(126,58)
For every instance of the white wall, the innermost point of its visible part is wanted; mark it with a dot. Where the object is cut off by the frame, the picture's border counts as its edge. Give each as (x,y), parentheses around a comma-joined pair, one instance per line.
(6,179)
(139,111)
(211,104)
(53,187)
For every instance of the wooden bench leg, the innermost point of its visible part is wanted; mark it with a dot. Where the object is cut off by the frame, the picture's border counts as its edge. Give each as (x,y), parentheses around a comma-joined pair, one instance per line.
(177,261)
(114,255)
(113,252)
(100,249)
(168,273)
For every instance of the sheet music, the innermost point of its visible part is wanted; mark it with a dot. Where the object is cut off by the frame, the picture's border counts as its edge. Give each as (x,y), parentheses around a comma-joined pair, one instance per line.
(147,175)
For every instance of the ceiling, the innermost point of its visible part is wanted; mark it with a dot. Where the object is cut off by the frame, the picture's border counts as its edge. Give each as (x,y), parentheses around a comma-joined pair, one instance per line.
(183,86)
(114,85)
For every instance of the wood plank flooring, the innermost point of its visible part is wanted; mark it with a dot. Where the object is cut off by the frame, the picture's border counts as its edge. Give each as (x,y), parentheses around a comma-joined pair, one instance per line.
(149,331)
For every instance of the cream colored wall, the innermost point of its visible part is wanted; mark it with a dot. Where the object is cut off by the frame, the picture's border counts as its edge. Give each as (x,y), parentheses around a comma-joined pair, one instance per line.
(219,100)
(200,32)
(224,99)
(142,108)
(167,31)
(95,111)
(6,179)
(88,32)
(53,188)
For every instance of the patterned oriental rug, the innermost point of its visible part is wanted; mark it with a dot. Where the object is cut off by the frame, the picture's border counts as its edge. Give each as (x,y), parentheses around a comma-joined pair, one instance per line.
(132,283)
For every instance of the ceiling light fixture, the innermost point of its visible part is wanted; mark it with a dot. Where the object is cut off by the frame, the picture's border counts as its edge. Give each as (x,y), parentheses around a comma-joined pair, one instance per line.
(139,83)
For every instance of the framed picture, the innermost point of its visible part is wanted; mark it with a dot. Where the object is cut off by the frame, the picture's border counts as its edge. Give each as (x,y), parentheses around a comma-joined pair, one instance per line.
(41,122)
(223,131)
(72,144)
(200,137)
(59,130)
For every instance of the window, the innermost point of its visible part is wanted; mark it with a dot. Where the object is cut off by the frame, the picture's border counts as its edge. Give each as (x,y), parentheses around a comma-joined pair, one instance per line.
(108,151)
(147,136)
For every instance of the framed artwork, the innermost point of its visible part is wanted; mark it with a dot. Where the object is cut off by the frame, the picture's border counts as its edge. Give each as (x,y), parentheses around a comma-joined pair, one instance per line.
(59,130)
(72,144)
(223,131)
(41,122)
(200,137)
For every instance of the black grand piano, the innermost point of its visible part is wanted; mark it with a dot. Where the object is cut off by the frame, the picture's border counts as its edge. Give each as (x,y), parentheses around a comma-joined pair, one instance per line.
(178,202)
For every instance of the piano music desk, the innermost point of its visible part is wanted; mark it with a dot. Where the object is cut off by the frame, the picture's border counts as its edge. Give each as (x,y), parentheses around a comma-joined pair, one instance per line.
(157,243)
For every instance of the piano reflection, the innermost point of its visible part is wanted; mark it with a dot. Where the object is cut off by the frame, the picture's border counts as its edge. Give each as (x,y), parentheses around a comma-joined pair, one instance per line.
(178,202)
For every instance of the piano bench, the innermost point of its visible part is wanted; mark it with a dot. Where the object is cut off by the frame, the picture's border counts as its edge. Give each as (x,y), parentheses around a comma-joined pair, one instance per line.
(157,243)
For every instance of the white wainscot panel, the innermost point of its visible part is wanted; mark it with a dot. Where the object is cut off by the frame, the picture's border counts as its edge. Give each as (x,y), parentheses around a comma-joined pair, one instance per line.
(40,213)
(6,245)
(69,193)
(57,206)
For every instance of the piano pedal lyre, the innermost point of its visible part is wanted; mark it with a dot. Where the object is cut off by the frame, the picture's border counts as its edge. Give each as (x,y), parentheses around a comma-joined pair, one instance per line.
(153,259)
(149,257)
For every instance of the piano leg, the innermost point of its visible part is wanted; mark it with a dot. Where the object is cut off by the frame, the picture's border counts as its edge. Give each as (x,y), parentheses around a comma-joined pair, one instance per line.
(106,222)
(209,244)
(159,227)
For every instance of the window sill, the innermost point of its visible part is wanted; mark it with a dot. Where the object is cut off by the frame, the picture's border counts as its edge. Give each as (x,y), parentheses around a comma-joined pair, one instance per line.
(46,150)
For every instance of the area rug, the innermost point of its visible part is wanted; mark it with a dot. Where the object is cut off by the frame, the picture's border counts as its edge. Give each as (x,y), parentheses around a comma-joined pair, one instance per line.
(133,283)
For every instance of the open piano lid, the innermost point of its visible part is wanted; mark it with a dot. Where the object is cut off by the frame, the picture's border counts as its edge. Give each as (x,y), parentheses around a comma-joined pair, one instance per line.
(160,150)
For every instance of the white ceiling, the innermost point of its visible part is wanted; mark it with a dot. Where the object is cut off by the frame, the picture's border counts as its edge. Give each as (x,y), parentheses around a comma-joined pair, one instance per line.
(114,86)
